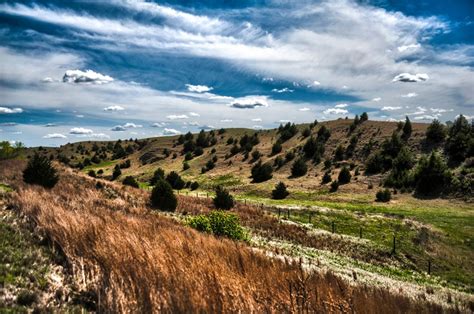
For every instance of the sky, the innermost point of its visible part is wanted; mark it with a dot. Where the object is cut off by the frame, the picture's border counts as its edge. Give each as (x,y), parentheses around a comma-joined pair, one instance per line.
(102,70)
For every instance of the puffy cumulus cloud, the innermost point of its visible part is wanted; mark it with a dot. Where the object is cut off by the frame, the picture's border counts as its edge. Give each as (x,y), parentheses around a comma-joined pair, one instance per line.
(410,78)
(304,109)
(283,90)
(167,131)
(6,110)
(55,135)
(194,114)
(88,76)
(427,117)
(335,111)
(80,131)
(249,102)
(126,126)
(114,108)
(377,99)
(198,88)
(341,106)
(391,108)
(409,95)
(257,120)
(177,117)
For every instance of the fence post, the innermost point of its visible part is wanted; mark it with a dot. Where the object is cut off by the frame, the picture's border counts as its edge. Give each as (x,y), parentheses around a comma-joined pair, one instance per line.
(429,266)
(207,195)
(279,212)
(333,227)
(245,201)
(394,245)
(288,214)
(360,232)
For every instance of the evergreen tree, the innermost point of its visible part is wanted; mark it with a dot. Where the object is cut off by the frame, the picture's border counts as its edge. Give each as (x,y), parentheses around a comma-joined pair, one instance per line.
(174,179)
(276,148)
(129,180)
(460,143)
(157,175)
(339,153)
(162,196)
(326,177)
(40,171)
(223,200)
(117,172)
(407,129)
(299,168)
(280,192)
(261,172)
(344,176)
(436,132)
(432,176)
(364,117)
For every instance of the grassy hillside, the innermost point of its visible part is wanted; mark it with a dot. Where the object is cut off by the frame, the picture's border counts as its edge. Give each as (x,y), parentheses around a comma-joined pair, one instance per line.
(125,257)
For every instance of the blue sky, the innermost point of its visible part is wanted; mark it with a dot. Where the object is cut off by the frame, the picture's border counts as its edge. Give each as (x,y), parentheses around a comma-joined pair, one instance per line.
(81,70)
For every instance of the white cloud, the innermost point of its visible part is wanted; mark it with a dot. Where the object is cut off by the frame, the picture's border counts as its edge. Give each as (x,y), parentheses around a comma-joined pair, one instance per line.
(158,124)
(167,131)
(336,111)
(283,90)
(177,117)
(88,76)
(391,108)
(426,117)
(194,114)
(440,110)
(80,131)
(410,47)
(304,109)
(410,95)
(250,102)
(48,80)
(10,110)
(257,120)
(257,127)
(341,106)
(79,116)
(55,135)
(377,99)
(198,88)
(126,126)
(114,108)
(226,120)
(96,135)
(411,78)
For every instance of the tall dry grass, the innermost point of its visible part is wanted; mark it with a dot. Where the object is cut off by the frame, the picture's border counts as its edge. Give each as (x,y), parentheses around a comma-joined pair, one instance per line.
(130,259)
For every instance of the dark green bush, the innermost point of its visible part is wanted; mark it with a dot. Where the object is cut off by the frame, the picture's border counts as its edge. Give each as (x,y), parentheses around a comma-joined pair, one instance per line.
(130,181)
(186,166)
(344,176)
(194,186)
(157,175)
(280,192)
(261,172)
(117,172)
(162,196)
(436,132)
(223,200)
(175,180)
(92,174)
(276,148)
(299,168)
(334,186)
(326,177)
(432,176)
(383,195)
(40,171)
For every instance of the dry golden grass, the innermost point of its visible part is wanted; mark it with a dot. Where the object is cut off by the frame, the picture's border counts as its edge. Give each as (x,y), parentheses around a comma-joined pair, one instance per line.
(133,260)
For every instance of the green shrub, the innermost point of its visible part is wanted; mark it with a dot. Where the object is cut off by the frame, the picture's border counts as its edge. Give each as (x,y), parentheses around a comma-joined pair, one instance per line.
(40,171)
(299,168)
(326,177)
(117,172)
(339,153)
(194,186)
(344,176)
(407,129)
(276,148)
(460,143)
(162,196)
(383,195)
(174,179)
(261,172)
(334,186)
(186,166)
(223,200)
(157,175)
(432,176)
(280,192)
(130,181)
(26,298)
(220,224)
(188,156)
(92,173)
(436,132)
(200,223)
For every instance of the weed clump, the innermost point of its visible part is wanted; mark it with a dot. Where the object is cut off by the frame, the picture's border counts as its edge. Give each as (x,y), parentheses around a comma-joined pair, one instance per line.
(220,224)
(383,196)
(130,181)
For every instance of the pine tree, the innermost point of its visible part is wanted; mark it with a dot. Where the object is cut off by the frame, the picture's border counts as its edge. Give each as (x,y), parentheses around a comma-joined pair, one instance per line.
(40,171)
(223,200)
(436,132)
(299,168)
(117,172)
(432,176)
(407,129)
(280,192)
(162,196)
(344,176)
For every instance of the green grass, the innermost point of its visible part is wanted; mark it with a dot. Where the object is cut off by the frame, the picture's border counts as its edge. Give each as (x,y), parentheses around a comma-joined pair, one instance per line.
(103,164)
(227,180)
(5,188)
